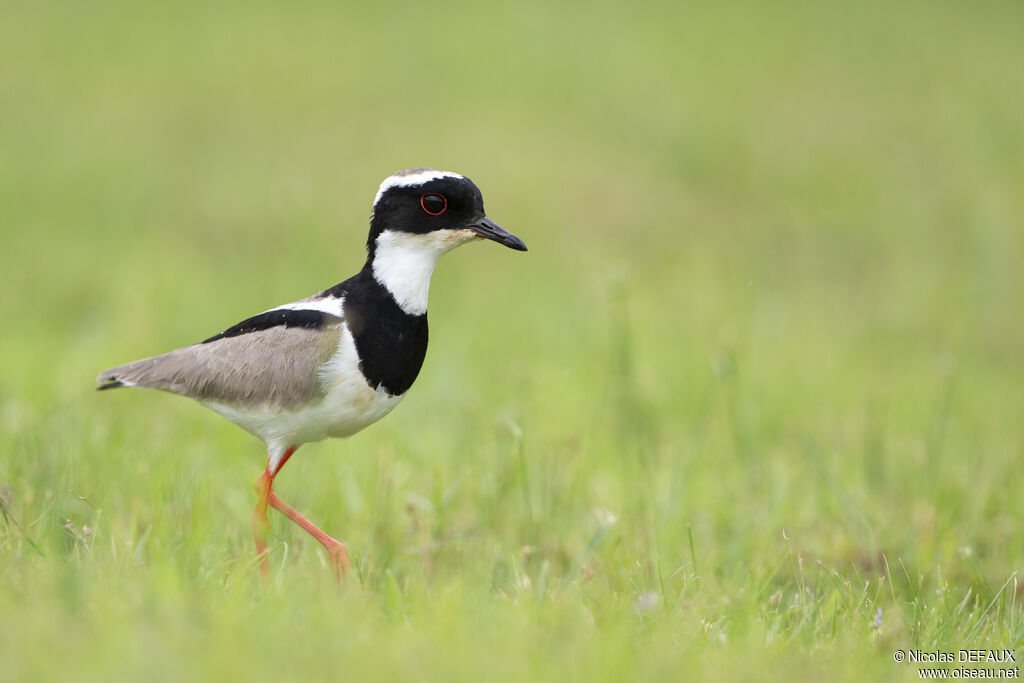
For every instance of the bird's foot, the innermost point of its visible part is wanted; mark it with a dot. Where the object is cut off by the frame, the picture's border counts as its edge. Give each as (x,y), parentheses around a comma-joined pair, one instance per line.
(338,556)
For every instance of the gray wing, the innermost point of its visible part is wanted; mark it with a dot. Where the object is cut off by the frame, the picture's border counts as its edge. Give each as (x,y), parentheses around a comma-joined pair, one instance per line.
(278,366)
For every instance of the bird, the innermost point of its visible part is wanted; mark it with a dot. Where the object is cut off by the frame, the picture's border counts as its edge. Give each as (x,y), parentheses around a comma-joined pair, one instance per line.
(333,363)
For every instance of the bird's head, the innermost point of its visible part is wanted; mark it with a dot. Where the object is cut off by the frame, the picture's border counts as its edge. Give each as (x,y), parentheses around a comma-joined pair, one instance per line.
(432,211)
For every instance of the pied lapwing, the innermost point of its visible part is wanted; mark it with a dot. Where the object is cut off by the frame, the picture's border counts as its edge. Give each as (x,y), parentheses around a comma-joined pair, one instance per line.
(338,361)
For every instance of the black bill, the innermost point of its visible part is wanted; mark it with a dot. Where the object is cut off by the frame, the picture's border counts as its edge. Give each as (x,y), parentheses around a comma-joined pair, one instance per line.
(488,229)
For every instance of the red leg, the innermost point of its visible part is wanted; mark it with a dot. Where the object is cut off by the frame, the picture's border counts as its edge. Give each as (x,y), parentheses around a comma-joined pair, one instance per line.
(260,523)
(335,548)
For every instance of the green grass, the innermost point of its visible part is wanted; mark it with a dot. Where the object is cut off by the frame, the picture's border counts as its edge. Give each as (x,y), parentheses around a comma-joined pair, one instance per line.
(758,377)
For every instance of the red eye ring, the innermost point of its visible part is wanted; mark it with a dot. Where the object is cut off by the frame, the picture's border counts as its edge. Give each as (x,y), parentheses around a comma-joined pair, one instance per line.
(432,200)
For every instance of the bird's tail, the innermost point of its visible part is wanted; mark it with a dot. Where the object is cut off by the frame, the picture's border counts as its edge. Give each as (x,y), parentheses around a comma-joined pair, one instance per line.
(137,374)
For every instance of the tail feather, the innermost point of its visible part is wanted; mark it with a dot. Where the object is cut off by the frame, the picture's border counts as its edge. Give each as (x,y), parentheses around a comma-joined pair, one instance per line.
(113,378)
(136,374)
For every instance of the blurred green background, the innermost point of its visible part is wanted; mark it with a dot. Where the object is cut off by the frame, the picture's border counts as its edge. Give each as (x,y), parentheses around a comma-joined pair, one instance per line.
(759,376)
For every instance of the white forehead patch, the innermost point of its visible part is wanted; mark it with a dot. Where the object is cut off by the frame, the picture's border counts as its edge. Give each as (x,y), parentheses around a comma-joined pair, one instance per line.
(403,179)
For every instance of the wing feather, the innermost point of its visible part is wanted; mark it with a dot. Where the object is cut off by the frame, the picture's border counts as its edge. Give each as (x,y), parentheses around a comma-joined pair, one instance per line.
(275,366)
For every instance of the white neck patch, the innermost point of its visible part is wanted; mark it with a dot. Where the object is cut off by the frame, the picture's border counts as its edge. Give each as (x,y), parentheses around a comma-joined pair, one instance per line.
(420,177)
(403,263)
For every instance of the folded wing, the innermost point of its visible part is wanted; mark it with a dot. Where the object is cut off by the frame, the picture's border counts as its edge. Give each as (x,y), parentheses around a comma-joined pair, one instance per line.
(277,365)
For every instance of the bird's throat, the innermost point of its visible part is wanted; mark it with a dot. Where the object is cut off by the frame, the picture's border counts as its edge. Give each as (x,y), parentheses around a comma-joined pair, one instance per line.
(403,263)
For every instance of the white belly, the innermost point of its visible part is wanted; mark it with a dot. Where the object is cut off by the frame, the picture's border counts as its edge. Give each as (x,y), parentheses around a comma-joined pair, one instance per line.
(350,404)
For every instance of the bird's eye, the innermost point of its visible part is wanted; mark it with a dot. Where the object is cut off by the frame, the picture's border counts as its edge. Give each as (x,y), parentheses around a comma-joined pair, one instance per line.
(434,204)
